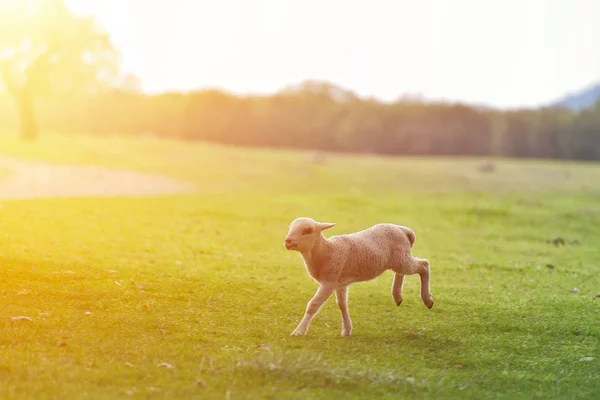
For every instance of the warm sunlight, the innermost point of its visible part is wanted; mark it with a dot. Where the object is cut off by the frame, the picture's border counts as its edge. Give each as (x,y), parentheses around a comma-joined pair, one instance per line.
(457,50)
(277,199)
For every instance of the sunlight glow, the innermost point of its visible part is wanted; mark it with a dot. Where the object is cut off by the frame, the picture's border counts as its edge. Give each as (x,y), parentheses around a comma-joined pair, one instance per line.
(505,52)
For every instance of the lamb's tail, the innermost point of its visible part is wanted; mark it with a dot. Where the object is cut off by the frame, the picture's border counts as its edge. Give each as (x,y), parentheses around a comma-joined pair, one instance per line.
(410,235)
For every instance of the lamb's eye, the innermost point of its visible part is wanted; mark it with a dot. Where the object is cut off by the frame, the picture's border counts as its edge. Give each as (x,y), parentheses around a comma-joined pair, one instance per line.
(307,231)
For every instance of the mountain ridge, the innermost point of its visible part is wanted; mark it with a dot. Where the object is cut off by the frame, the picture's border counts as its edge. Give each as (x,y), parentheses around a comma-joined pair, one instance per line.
(582,99)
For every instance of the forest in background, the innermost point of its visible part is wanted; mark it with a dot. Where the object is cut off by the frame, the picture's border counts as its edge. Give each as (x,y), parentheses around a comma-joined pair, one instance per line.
(61,72)
(323,116)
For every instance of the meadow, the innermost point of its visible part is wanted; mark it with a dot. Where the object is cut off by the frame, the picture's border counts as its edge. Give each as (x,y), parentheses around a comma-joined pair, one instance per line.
(194,295)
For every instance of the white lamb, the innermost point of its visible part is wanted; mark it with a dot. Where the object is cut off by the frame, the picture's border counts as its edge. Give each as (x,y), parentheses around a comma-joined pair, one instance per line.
(339,261)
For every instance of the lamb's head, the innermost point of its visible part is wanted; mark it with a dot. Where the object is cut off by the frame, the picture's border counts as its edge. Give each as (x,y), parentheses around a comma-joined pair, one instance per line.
(304,233)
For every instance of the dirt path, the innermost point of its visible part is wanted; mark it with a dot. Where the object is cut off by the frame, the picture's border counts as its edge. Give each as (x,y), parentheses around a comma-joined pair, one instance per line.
(32,179)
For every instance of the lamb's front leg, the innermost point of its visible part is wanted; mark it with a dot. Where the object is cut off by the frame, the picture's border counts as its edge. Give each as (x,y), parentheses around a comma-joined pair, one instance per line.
(312,308)
(341,295)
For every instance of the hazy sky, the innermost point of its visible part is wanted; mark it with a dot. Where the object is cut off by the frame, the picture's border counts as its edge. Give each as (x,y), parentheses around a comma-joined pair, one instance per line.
(498,52)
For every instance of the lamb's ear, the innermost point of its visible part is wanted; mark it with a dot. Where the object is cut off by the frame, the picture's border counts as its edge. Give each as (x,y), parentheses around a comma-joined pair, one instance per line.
(321,226)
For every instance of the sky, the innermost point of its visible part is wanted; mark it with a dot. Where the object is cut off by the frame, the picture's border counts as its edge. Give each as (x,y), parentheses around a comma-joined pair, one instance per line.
(502,53)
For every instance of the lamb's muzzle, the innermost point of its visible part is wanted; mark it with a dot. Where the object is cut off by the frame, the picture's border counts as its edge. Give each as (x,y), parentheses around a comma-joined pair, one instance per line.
(339,261)
(289,243)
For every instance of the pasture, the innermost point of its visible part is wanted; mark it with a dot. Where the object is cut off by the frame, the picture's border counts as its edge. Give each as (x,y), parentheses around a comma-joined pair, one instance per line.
(192,295)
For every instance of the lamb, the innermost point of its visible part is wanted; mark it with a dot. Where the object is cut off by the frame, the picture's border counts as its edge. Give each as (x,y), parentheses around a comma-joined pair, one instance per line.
(341,260)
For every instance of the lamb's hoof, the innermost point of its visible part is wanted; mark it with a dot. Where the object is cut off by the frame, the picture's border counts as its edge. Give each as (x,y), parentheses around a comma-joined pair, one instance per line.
(398,300)
(298,332)
(346,333)
(429,302)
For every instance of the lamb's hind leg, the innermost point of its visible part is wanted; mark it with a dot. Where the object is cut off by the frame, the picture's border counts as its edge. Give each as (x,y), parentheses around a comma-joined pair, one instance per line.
(397,288)
(424,273)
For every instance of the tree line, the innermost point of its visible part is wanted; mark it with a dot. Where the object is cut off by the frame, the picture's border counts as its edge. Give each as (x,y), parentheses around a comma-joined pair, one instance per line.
(60,71)
(318,115)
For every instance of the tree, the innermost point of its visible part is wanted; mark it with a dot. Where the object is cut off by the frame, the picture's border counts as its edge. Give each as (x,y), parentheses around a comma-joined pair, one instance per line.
(584,142)
(45,49)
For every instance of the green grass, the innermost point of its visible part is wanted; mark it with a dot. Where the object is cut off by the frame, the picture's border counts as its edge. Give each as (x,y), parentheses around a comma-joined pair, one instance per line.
(202,282)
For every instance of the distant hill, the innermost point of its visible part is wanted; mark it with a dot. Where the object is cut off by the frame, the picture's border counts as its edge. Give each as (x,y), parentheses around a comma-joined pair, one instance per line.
(584,99)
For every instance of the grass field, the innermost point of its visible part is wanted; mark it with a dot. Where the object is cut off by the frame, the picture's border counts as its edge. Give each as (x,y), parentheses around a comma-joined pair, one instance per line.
(115,287)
